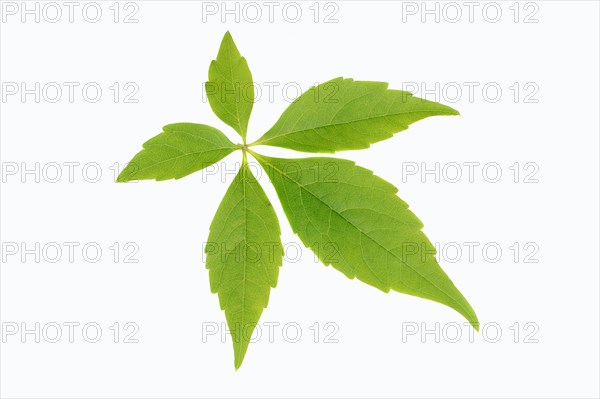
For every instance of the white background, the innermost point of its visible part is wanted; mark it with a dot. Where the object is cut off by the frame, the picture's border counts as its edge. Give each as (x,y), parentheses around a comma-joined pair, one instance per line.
(166,294)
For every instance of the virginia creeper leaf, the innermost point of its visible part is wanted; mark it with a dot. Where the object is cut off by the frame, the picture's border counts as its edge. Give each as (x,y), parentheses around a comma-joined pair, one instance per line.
(181,149)
(335,203)
(352,219)
(229,88)
(244,253)
(344,114)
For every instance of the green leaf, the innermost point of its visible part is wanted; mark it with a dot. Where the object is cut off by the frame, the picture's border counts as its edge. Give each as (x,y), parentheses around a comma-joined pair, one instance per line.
(350,218)
(344,114)
(181,149)
(332,203)
(229,88)
(244,252)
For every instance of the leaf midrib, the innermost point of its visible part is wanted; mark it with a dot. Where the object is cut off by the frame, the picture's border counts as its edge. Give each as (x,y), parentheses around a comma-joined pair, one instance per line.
(317,128)
(174,159)
(242,328)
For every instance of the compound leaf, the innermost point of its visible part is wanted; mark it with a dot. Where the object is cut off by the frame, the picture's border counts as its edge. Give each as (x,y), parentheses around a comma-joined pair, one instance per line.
(335,204)
(181,149)
(244,253)
(344,114)
(352,219)
(229,88)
